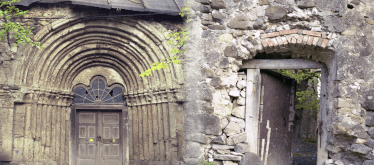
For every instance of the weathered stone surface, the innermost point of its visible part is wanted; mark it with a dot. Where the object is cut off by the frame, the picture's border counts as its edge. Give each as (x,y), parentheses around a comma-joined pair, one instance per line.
(220,139)
(234,93)
(360,132)
(259,24)
(227,157)
(193,149)
(207,94)
(334,24)
(370,143)
(371,132)
(369,120)
(368,162)
(251,159)
(329,161)
(232,128)
(235,139)
(226,38)
(231,51)
(360,148)
(239,112)
(218,16)
(215,81)
(229,163)
(241,84)
(369,101)
(275,12)
(333,149)
(241,101)
(202,8)
(203,1)
(286,2)
(209,73)
(223,151)
(224,123)
(265,2)
(306,3)
(222,147)
(241,148)
(241,122)
(241,21)
(224,63)
(360,141)
(236,153)
(198,137)
(218,4)
(217,27)
(212,125)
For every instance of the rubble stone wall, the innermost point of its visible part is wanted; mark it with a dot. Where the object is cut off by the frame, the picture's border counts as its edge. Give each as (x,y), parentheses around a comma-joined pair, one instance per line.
(207,121)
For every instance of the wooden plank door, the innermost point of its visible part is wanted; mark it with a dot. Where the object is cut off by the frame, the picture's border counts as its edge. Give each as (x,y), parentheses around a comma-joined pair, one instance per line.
(99,139)
(275,136)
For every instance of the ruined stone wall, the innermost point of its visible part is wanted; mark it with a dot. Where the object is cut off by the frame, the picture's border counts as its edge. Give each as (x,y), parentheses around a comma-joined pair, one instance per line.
(338,33)
(209,125)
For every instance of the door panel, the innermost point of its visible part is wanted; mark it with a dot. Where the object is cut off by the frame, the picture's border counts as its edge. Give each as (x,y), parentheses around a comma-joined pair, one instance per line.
(99,138)
(86,148)
(275,137)
(111,142)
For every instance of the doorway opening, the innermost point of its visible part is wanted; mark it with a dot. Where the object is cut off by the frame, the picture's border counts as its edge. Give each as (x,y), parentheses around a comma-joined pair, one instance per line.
(271,112)
(100,124)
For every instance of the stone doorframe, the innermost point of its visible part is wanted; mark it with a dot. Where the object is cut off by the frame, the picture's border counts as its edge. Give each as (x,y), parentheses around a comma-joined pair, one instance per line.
(112,107)
(253,99)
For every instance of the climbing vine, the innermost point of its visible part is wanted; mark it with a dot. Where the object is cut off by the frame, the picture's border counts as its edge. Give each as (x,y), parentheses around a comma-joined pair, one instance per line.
(177,40)
(308,98)
(10,29)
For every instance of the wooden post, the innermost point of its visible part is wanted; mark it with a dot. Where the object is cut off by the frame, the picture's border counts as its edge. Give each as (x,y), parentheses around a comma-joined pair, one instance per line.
(322,154)
(252,108)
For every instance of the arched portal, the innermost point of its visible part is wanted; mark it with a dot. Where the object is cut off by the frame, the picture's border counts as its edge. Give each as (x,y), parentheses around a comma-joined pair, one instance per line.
(119,50)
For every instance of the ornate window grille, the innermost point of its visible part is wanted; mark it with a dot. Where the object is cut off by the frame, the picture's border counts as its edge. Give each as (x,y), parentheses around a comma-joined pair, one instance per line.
(99,92)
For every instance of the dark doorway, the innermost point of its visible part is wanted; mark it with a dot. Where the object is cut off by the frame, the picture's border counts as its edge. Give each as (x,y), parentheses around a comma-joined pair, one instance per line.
(277,101)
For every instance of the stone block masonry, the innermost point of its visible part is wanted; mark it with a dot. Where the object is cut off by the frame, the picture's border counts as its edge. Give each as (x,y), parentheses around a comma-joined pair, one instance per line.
(194,111)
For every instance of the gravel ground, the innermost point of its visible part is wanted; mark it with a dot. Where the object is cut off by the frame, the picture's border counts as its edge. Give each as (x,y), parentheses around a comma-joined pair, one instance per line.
(304,153)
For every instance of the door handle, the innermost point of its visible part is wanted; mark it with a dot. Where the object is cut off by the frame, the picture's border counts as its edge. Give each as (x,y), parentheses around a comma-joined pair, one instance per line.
(98,138)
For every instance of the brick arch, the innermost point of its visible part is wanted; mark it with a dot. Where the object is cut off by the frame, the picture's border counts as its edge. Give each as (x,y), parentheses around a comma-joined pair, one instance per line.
(286,40)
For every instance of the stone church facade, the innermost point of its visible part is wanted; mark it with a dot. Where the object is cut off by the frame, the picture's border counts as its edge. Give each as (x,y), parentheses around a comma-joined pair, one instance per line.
(80,100)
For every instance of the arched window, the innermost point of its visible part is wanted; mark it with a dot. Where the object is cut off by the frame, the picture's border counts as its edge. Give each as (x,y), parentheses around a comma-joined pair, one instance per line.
(98,92)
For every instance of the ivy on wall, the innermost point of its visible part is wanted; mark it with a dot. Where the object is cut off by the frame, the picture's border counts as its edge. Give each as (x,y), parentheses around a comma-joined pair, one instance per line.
(306,99)
(177,40)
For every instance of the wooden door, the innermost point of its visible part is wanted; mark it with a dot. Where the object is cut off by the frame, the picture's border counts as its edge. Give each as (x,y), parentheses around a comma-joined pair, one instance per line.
(275,136)
(99,139)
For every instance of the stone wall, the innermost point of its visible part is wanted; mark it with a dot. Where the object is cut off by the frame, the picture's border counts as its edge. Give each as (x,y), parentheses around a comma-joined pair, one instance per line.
(224,33)
(337,33)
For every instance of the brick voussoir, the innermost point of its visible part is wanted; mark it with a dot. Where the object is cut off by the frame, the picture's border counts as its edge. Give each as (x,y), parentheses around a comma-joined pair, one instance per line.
(324,43)
(274,41)
(264,43)
(300,39)
(280,41)
(283,38)
(310,40)
(312,33)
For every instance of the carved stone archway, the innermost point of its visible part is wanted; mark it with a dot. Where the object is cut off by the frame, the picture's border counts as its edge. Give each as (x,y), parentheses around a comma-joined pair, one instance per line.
(118,49)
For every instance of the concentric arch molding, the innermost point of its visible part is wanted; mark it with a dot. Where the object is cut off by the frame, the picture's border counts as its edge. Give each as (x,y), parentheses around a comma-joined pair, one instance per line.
(76,49)
(110,75)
